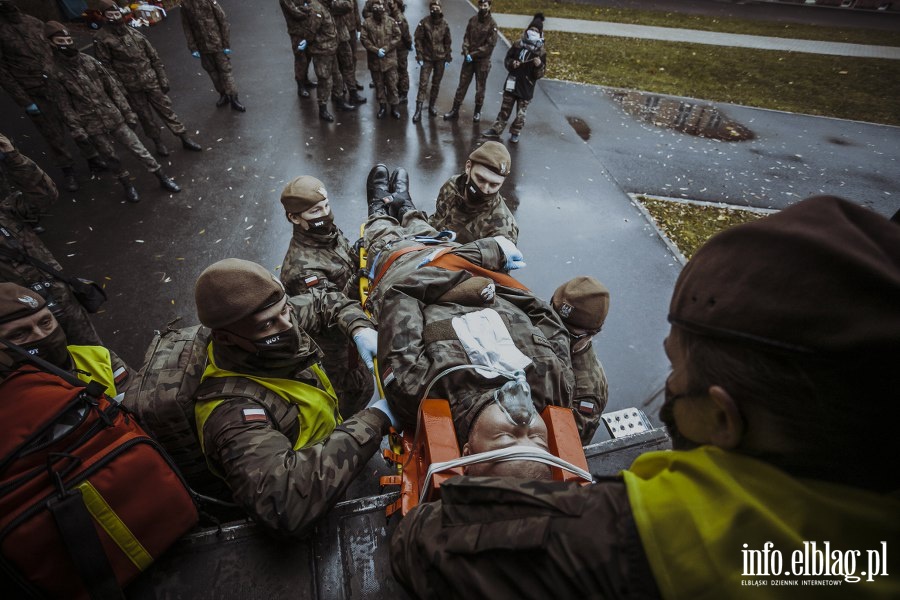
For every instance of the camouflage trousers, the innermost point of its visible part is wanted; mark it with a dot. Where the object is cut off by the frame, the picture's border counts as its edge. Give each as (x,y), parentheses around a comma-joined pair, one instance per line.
(328,77)
(219,68)
(347,65)
(480,69)
(352,381)
(383,231)
(402,73)
(147,102)
(125,136)
(506,109)
(301,60)
(434,70)
(52,127)
(386,86)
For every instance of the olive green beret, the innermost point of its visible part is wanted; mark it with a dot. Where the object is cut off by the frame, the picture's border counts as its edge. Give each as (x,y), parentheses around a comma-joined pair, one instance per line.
(494,156)
(582,302)
(231,289)
(821,278)
(106,5)
(17,302)
(302,193)
(52,28)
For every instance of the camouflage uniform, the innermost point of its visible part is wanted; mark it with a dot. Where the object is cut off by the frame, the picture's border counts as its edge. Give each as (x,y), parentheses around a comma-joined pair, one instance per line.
(415,340)
(453,214)
(134,61)
(343,54)
(25,58)
(296,15)
(395,10)
(591,388)
(27,190)
(478,42)
(515,538)
(327,262)
(526,76)
(18,239)
(208,32)
(323,48)
(95,107)
(286,490)
(384,34)
(433,49)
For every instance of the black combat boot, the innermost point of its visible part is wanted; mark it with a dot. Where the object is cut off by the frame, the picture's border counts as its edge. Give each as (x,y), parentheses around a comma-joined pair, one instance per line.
(97,165)
(343,105)
(476,116)
(382,111)
(432,112)
(377,184)
(222,101)
(356,99)
(69,178)
(189,144)
(490,133)
(301,90)
(453,114)
(161,148)
(167,183)
(401,202)
(236,105)
(324,114)
(417,116)
(514,138)
(395,111)
(131,194)
(359,88)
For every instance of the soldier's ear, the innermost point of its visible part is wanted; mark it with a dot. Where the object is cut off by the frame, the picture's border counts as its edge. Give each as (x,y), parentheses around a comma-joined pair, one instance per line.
(293,218)
(468,167)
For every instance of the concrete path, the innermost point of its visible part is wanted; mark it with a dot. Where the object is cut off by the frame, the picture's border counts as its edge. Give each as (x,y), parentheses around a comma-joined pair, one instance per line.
(671,34)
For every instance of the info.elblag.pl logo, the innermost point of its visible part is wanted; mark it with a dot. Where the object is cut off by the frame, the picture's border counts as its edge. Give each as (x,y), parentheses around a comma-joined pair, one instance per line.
(817,563)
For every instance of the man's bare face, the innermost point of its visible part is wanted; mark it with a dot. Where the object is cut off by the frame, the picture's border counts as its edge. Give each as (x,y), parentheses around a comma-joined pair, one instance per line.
(492,431)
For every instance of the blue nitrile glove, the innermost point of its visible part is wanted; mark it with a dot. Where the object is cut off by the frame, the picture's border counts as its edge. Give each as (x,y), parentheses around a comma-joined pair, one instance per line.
(195,54)
(514,258)
(301,46)
(226,51)
(468,58)
(366,341)
(446,64)
(381,53)
(382,405)
(32,109)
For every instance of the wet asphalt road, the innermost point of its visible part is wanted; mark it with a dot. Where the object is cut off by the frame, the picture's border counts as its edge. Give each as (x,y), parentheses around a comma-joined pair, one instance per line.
(569,194)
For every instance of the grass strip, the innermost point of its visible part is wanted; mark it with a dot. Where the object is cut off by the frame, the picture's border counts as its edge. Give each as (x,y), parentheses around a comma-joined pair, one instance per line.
(566,10)
(865,89)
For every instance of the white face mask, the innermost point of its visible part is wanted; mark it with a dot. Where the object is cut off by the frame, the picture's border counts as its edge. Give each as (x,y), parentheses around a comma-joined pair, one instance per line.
(532,36)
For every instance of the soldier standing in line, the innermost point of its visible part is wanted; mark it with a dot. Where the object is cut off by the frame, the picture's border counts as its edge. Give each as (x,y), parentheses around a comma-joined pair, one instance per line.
(433,53)
(129,56)
(354,22)
(470,203)
(526,61)
(96,109)
(381,37)
(395,10)
(346,61)
(24,60)
(478,45)
(320,257)
(209,39)
(583,303)
(323,49)
(296,15)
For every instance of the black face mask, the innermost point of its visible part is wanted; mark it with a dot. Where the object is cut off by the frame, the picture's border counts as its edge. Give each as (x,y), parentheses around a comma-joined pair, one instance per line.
(278,355)
(321,225)
(475,197)
(436,15)
(377,12)
(52,348)
(482,13)
(67,50)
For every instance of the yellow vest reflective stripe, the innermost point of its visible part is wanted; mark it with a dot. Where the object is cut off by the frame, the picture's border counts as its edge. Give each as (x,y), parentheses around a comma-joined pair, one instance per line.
(317,409)
(696,510)
(95,361)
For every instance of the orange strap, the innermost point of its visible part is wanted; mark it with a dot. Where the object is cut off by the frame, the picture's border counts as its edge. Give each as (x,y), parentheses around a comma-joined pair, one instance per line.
(387,264)
(454,262)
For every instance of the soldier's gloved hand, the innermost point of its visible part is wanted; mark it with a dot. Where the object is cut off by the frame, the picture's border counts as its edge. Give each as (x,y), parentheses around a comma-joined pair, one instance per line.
(468,58)
(446,63)
(421,62)
(514,258)
(226,51)
(366,341)
(301,46)
(32,109)
(381,53)
(382,405)
(195,54)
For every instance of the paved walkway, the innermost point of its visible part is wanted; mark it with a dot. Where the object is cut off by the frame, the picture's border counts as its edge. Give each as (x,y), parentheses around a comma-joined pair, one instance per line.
(671,34)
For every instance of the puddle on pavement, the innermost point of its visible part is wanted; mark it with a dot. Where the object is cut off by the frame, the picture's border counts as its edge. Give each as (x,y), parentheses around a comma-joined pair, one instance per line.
(581,128)
(692,118)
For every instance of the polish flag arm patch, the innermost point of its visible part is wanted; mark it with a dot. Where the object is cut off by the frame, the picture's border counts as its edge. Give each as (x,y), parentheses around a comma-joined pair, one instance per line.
(255,415)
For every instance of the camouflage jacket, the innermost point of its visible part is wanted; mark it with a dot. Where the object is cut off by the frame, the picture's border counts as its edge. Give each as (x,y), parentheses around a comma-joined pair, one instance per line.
(296,15)
(516,538)
(395,10)
(38,191)
(433,40)
(352,20)
(381,34)
(319,261)
(205,26)
(24,58)
(416,340)
(324,35)
(129,55)
(92,101)
(340,9)
(591,392)
(283,489)
(453,214)
(480,38)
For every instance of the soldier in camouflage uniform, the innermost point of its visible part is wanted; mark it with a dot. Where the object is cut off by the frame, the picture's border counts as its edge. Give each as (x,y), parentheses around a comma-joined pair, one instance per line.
(346,61)
(380,36)
(18,241)
(470,203)
(129,56)
(414,297)
(319,257)
(396,10)
(433,53)
(759,379)
(296,15)
(322,46)
(266,413)
(582,304)
(24,74)
(209,39)
(95,108)
(478,45)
